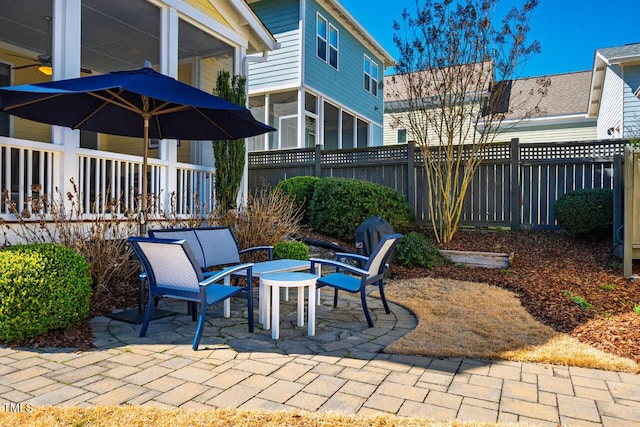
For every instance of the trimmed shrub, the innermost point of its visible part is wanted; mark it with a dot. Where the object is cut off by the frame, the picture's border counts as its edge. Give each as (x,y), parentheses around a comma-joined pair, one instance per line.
(291,249)
(416,249)
(340,205)
(301,189)
(43,287)
(586,213)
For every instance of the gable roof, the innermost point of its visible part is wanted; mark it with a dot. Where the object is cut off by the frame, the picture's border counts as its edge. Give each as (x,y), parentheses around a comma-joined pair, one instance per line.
(350,22)
(619,55)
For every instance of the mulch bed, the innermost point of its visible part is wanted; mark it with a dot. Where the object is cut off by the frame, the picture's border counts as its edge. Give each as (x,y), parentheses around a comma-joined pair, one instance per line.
(548,269)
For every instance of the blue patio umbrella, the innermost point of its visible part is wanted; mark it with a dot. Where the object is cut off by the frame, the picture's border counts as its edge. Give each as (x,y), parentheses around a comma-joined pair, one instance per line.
(138,103)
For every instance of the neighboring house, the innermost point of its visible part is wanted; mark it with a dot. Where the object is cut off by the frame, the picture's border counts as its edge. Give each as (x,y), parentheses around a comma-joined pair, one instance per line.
(615,87)
(561,115)
(42,40)
(324,84)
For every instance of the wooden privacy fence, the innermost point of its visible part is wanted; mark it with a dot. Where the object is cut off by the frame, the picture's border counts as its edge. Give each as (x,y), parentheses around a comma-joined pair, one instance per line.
(515,186)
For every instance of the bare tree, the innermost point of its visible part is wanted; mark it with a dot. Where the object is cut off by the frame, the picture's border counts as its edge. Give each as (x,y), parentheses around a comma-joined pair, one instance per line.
(453,88)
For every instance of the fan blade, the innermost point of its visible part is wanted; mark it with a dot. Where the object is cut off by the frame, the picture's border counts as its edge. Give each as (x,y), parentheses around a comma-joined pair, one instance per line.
(20,56)
(86,70)
(25,66)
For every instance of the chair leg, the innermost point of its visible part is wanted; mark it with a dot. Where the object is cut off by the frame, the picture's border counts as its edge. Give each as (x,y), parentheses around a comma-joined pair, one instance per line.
(202,317)
(192,308)
(335,297)
(147,318)
(250,307)
(383,298)
(363,298)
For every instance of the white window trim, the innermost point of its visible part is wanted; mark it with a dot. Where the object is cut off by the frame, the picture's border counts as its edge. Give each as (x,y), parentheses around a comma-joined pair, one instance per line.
(337,47)
(327,41)
(368,73)
(323,38)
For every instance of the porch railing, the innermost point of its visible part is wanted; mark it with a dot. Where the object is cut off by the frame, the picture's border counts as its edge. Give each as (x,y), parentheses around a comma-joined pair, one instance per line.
(105,182)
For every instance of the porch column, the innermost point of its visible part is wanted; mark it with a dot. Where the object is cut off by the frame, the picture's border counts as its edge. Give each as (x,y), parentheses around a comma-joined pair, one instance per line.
(302,142)
(243,192)
(66,38)
(168,148)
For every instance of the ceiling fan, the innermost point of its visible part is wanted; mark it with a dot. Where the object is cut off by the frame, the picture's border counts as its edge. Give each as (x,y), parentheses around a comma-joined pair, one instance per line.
(44,60)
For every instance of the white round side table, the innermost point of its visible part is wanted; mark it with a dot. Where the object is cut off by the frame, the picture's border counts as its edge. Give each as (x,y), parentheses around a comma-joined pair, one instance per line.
(270,285)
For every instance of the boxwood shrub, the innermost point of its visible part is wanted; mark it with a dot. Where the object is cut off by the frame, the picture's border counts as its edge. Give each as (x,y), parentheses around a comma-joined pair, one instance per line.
(42,287)
(301,189)
(587,213)
(416,249)
(291,249)
(340,205)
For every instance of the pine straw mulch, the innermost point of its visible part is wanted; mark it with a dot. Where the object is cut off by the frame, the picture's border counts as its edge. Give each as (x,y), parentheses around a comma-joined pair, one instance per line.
(546,265)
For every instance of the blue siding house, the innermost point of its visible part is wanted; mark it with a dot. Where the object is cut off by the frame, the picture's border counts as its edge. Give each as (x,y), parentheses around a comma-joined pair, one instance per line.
(615,86)
(324,84)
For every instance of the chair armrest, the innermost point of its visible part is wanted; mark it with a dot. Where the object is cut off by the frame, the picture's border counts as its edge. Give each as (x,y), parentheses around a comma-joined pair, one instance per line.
(216,276)
(345,255)
(339,265)
(269,250)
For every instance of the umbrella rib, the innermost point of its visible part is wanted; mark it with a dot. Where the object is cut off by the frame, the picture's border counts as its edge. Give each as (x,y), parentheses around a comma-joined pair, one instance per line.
(11,107)
(214,123)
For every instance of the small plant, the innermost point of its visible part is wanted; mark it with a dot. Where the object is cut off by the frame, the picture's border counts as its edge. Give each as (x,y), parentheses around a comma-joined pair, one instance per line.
(607,287)
(582,303)
(42,287)
(417,249)
(291,250)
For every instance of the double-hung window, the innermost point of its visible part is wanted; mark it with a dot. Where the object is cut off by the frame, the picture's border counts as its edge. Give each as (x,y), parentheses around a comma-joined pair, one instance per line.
(327,42)
(370,76)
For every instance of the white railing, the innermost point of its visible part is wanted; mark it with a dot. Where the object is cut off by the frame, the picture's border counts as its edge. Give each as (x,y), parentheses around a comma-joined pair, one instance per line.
(30,169)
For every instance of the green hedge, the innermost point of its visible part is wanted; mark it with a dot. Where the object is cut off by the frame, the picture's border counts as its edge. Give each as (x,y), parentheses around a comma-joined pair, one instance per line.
(586,213)
(340,205)
(301,189)
(42,287)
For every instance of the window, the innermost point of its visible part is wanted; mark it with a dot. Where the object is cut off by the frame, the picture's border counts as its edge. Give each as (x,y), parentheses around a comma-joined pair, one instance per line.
(322,38)
(370,76)
(327,42)
(333,46)
(402,136)
(5,80)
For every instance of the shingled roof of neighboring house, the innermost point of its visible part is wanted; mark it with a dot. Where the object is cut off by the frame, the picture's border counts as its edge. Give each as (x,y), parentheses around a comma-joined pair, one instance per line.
(619,53)
(567,94)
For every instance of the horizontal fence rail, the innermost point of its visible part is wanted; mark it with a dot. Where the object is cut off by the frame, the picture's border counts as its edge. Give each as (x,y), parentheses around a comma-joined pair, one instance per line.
(516,185)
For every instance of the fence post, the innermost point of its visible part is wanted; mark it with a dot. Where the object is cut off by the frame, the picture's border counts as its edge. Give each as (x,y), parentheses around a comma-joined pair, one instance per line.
(318,160)
(411,176)
(515,197)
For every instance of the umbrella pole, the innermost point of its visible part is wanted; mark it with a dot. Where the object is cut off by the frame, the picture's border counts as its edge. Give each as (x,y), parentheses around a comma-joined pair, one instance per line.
(143,202)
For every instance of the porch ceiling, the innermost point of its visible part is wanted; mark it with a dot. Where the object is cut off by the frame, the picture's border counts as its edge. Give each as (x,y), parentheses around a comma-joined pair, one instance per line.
(116,34)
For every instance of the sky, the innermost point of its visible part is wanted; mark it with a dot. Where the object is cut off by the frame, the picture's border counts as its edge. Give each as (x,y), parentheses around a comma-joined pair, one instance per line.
(569,31)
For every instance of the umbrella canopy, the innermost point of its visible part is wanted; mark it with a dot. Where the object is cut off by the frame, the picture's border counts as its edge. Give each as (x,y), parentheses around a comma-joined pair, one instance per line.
(138,103)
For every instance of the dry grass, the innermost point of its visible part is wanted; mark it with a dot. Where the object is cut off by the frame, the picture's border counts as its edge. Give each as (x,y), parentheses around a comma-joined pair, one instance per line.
(139,416)
(465,319)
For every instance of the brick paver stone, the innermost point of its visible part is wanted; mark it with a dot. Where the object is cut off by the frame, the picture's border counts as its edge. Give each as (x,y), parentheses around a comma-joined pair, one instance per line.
(578,408)
(181,394)
(475,391)
(519,390)
(342,402)
(401,391)
(415,409)
(324,385)
(529,409)
(307,401)
(233,397)
(555,385)
(476,413)
(281,391)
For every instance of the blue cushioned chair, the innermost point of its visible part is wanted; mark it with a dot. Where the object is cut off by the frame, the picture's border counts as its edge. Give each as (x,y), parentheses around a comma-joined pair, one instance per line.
(350,278)
(172,271)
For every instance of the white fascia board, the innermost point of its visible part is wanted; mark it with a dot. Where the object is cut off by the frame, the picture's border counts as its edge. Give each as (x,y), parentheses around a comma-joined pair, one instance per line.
(195,16)
(600,65)
(554,120)
(364,34)
(265,36)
